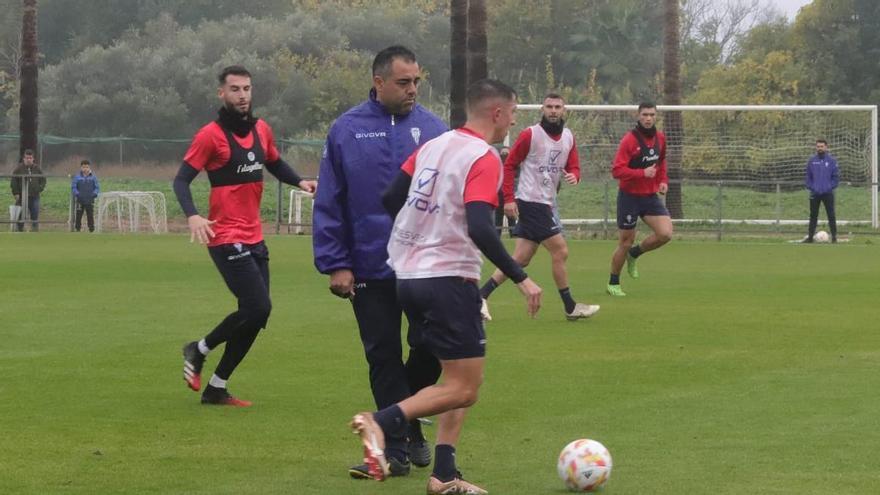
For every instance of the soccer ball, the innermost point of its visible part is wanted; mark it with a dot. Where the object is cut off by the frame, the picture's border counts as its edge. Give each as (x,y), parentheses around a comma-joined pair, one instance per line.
(584,465)
(821,236)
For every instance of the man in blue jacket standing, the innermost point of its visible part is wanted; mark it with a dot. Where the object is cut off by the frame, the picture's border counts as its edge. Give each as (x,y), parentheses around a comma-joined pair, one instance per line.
(85,189)
(363,153)
(822,179)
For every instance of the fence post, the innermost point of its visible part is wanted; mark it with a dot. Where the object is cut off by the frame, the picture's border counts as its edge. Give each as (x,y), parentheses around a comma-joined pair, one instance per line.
(778,208)
(606,207)
(719,203)
(25,202)
(278,209)
(71,206)
(120,151)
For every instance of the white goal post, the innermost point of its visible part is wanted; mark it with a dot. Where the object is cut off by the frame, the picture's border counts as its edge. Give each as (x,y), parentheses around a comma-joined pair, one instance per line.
(132,211)
(756,146)
(295,209)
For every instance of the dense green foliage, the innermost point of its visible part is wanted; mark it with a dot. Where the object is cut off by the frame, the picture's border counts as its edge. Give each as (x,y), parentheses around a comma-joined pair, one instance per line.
(728,369)
(105,61)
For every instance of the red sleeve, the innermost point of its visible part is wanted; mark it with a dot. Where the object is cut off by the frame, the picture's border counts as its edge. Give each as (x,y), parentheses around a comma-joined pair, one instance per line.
(662,178)
(268,138)
(482,180)
(573,166)
(202,149)
(625,152)
(517,154)
(409,166)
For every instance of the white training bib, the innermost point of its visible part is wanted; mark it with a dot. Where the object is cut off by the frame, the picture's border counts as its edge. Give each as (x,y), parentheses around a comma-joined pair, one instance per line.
(429,238)
(544,166)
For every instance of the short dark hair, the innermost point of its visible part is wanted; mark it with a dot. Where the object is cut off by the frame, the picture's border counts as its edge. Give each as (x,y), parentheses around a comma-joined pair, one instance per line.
(84,162)
(822,140)
(485,89)
(384,59)
(236,70)
(553,96)
(647,104)
(28,152)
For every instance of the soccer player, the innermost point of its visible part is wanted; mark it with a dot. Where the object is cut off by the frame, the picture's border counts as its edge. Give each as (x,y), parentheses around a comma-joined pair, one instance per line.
(548,154)
(445,194)
(233,150)
(640,168)
(364,150)
(822,178)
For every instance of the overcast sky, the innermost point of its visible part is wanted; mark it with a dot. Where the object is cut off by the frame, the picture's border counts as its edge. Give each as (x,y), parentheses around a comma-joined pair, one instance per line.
(789,7)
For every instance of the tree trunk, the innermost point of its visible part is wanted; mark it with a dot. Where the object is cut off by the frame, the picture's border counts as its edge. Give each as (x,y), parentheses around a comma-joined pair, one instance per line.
(672,121)
(458,62)
(28,109)
(476,41)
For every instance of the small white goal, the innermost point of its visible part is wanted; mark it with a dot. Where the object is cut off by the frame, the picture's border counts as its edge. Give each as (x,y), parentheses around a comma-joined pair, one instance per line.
(299,216)
(132,211)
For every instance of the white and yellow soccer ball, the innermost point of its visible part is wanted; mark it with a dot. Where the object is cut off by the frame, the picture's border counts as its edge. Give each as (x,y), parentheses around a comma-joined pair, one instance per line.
(821,236)
(584,465)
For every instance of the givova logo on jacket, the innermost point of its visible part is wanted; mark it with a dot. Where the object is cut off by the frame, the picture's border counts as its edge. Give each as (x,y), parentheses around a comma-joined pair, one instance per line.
(425,185)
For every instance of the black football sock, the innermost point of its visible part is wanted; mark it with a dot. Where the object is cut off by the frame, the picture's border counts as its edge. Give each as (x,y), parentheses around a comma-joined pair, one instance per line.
(444,463)
(488,287)
(565,294)
(394,426)
(614,280)
(391,420)
(635,251)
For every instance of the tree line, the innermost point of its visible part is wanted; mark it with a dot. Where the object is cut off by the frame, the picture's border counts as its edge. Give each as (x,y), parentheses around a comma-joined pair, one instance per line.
(146,68)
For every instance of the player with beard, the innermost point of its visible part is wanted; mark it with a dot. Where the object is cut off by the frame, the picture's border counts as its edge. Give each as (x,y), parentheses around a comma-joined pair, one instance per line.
(640,168)
(233,150)
(547,153)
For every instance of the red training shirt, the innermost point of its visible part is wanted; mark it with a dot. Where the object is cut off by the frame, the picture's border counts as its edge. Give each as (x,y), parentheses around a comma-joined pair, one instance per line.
(236,207)
(633,180)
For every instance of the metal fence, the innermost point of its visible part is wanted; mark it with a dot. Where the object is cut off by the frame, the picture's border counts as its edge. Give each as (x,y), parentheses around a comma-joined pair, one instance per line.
(714,209)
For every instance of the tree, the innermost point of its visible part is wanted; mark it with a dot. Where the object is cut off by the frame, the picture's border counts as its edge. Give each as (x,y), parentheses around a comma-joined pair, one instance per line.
(618,38)
(476,41)
(29,106)
(458,62)
(672,91)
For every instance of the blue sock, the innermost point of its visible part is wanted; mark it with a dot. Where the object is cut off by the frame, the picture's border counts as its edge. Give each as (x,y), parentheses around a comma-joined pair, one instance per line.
(615,279)
(444,463)
(635,251)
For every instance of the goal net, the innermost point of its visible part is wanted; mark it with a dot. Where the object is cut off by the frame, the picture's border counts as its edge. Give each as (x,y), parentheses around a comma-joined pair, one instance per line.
(131,211)
(734,165)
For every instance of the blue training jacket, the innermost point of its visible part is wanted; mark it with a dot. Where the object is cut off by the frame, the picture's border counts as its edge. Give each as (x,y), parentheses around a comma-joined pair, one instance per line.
(85,188)
(363,153)
(822,174)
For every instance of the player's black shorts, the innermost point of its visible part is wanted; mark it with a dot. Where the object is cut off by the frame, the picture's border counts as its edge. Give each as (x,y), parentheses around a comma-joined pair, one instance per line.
(630,207)
(444,316)
(536,222)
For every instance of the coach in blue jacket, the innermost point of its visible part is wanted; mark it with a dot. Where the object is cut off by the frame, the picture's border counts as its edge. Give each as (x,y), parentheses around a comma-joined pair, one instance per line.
(364,151)
(822,179)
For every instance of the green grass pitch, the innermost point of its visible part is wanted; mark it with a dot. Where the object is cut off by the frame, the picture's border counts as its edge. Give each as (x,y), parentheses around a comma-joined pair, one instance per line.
(729,369)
